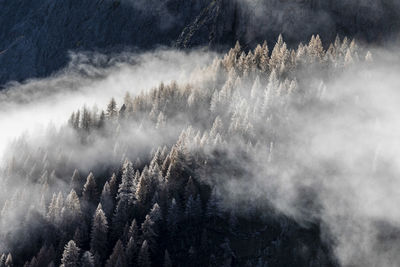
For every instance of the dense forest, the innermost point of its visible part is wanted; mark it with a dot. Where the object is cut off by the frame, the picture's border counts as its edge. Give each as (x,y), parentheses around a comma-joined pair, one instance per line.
(162,178)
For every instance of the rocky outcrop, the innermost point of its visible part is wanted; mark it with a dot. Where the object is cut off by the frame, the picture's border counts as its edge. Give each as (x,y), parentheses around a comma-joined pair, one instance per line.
(252,21)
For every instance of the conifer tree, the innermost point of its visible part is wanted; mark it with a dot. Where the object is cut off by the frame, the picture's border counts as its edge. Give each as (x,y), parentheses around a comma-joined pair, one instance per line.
(89,193)
(70,257)
(149,233)
(126,198)
(144,256)
(76,182)
(117,258)
(173,217)
(107,200)
(155,213)
(112,109)
(87,260)
(71,213)
(113,182)
(98,242)
(131,251)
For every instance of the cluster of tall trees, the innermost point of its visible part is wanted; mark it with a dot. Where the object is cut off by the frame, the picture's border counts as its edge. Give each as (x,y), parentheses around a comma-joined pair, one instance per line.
(167,208)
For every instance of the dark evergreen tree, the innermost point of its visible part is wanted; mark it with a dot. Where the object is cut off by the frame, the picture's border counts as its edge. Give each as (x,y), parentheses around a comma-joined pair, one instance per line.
(76,182)
(144,256)
(131,250)
(107,200)
(173,217)
(126,198)
(98,242)
(117,258)
(90,195)
(149,234)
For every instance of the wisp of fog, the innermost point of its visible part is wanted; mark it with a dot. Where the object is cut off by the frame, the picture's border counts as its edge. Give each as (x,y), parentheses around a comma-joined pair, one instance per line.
(90,79)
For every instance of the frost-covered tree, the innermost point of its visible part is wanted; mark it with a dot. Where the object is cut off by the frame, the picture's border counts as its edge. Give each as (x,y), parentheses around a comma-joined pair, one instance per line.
(112,108)
(87,260)
(126,198)
(71,212)
(70,256)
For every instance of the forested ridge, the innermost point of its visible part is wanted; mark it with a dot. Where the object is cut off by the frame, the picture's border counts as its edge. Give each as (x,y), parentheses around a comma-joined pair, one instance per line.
(159,179)
(36,38)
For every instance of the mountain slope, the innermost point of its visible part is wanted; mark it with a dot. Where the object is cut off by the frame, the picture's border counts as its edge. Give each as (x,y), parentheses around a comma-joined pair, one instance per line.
(36,36)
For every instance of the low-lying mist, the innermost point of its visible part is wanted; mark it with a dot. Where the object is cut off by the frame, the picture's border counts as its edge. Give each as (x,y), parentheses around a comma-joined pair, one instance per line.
(90,79)
(322,144)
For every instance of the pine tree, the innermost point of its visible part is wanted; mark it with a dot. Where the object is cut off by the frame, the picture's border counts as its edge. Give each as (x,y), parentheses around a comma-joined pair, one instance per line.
(131,251)
(86,121)
(144,256)
(277,54)
(126,198)
(71,213)
(98,242)
(89,193)
(155,213)
(144,189)
(32,263)
(76,182)
(113,182)
(117,258)
(107,200)
(173,217)
(70,257)
(87,260)
(112,109)
(148,233)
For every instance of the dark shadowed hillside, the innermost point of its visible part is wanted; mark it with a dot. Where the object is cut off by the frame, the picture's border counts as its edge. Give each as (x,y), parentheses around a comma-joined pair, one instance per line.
(35,36)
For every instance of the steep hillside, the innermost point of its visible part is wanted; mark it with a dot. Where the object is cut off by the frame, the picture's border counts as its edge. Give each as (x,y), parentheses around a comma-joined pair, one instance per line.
(238,167)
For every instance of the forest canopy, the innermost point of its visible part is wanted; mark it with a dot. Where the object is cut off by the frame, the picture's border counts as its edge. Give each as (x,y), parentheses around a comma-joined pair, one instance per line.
(239,166)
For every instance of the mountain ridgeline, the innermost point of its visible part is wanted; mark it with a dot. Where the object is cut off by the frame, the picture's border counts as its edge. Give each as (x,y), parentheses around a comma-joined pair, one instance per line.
(36,37)
(188,174)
